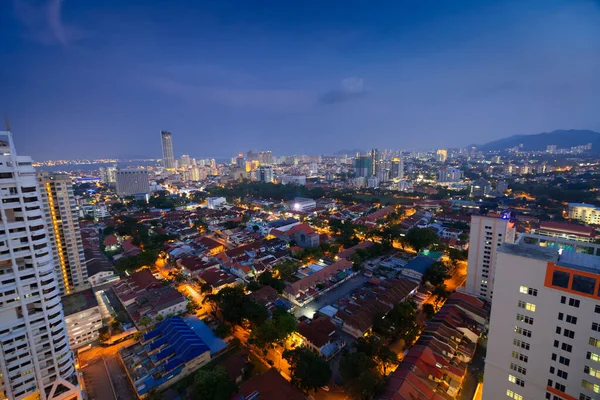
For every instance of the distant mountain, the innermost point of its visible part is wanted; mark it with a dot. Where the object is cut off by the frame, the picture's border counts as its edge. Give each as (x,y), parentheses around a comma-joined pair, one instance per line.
(561,138)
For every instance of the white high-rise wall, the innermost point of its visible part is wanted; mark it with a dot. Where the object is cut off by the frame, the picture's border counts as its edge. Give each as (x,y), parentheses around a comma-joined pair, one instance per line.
(35,357)
(62,219)
(544,332)
(166,141)
(487,234)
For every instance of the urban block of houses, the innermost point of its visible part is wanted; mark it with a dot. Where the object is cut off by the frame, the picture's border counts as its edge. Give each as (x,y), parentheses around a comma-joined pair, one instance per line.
(164,355)
(193,266)
(303,291)
(218,278)
(269,385)
(436,365)
(143,295)
(356,312)
(100,270)
(347,254)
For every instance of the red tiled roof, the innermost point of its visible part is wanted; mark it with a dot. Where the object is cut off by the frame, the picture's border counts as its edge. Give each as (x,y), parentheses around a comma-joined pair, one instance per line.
(347,253)
(217,277)
(381,213)
(264,295)
(311,280)
(318,331)
(303,227)
(110,240)
(270,386)
(557,227)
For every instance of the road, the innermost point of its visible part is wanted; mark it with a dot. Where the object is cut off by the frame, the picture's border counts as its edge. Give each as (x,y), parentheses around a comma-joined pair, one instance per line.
(96,381)
(95,352)
(331,297)
(475,367)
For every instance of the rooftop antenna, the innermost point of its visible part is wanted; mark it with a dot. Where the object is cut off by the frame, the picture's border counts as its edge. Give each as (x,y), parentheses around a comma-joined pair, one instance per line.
(7,122)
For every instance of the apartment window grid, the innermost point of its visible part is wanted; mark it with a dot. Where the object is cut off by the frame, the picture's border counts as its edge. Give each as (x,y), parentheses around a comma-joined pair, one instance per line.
(590,386)
(592,371)
(528,290)
(593,356)
(516,381)
(525,318)
(513,395)
(518,368)
(527,306)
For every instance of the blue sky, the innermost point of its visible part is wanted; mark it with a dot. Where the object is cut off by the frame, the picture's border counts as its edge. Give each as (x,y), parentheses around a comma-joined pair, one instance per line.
(87,79)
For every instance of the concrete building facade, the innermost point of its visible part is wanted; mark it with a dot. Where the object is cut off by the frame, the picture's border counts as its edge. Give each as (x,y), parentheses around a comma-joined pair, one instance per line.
(62,220)
(487,234)
(544,332)
(166,141)
(35,358)
(132,181)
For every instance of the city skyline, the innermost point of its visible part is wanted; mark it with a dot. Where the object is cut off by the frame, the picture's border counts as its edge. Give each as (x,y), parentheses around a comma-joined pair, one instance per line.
(224,77)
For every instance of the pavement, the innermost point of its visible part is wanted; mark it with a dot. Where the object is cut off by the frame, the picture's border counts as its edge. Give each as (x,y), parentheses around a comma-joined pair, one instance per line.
(119,379)
(332,296)
(96,381)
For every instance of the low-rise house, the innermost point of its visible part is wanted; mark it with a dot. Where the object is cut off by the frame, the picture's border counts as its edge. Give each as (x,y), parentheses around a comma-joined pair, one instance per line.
(321,335)
(303,234)
(347,254)
(218,279)
(304,290)
(210,246)
(164,301)
(416,267)
(164,355)
(100,270)
(193,266)
(130,288)
(266,296)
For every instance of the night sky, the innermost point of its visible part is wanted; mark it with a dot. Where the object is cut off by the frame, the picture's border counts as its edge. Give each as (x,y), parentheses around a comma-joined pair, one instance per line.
(101,78)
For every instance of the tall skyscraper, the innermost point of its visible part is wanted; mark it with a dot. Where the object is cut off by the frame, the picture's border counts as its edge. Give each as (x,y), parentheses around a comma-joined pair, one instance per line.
(488,232)
(441,155)
(62,219)
(166,139)
(35,358)
(397,170)
(374,162)
(363,166)
(544,331)
(132,181)
(265,157)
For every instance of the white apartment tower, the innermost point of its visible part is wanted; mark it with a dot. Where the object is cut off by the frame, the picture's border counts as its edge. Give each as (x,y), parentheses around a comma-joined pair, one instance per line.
(488,232)
(62,219)
(35,358)
(544,332)
(132,181)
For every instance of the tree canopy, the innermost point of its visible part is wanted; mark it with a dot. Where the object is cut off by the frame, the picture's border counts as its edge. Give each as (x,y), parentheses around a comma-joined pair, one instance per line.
(236,307)
(213,384)
(436,274)
(309,371)
(275,330)
(421,238)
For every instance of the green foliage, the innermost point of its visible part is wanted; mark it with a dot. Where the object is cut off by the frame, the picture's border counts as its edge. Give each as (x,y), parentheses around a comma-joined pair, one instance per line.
(192,307)
(153,395)
(109,230)
(286,269)
(400,322)
(132,263)
(429,310)
(253,286)
(275,330)
(308,370)
(145,321)
(236,307)
(267,279)
(362,379)
(213,384)
(440,292)
(436,274)
(104,334)
(205,288)
(265,190)
(421,238)
(223,330)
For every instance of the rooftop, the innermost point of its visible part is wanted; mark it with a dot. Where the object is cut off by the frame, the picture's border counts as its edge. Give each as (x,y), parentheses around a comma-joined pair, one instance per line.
(78,302)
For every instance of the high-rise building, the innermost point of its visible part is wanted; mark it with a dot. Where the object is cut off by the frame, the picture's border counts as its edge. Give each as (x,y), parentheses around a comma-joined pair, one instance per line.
(166,140)
(480,187)
(35,358)
(374,162)
(252,155)
(397,171)
(441,155)
(363,166)
(488,232)
(265,157)
(587,213)
(264,173)
(62,219)
(132,181)
(544,331)
(108,174)
(450,174)
(185,161)
(240,162)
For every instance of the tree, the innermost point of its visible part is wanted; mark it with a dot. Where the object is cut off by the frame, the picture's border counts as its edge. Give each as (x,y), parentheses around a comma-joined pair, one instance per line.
(420,239)
(104,334)
(440,292)
(213,384)
(286,269)
(374,348)
(267,279)
(360,376)
(436,274)
(429,310)
(236,307)
(145,321)
(192,307)
(154,394)
(308,370)
(205,288)
(400,322)
(275,330)
(253,286)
